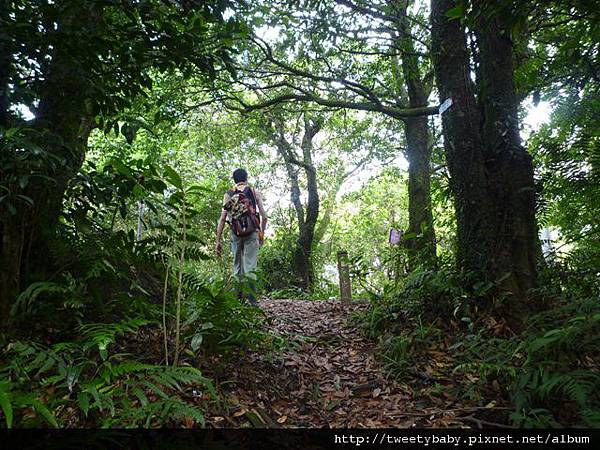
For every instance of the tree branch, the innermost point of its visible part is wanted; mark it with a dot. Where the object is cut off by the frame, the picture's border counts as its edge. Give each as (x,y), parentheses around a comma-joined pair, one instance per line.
(398,113)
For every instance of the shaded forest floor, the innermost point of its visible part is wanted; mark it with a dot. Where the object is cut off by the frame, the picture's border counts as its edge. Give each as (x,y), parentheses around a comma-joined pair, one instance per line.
(328,376)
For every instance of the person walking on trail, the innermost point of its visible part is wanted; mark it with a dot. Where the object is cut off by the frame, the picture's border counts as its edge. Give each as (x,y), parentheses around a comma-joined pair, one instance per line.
(244,211)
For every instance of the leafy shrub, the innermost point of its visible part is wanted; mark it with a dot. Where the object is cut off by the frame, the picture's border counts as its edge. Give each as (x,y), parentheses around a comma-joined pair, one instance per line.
(400,352)
(420,296)
(81,363)
(290,293)
(276,263)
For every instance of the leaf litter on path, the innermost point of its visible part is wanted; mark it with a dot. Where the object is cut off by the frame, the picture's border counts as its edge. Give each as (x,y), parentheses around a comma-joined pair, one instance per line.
(329,378)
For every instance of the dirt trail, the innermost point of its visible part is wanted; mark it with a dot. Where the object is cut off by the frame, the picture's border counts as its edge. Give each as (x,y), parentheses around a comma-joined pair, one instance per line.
(327,377)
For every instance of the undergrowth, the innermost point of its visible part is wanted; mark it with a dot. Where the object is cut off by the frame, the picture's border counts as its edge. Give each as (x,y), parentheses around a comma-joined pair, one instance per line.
(547,373)
(88,382)
(89,344)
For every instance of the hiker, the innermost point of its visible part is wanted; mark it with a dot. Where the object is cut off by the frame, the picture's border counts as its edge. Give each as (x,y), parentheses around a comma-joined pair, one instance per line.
(247,225)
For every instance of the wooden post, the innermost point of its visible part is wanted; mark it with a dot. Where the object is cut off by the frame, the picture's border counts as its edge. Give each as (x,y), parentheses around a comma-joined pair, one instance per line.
(344,274)
(140,223)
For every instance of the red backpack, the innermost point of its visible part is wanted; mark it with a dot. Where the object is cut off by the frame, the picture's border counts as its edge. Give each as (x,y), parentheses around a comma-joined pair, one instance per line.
(242,207)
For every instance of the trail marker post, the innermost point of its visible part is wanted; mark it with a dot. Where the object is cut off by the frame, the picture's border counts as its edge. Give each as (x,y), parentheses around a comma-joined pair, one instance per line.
(344,275)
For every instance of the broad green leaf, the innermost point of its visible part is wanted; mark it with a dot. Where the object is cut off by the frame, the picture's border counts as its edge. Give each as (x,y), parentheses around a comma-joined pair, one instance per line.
(197,189)
(173,177)
(455,13)
(10,132)
(196,342)
(255,419)
(138,191)
(83,400)
(141,396)
(6,408)
(44,412)
(121,168)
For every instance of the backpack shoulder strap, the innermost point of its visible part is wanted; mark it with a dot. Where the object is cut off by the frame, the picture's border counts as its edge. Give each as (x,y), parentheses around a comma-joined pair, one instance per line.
(255,199)
(249,193)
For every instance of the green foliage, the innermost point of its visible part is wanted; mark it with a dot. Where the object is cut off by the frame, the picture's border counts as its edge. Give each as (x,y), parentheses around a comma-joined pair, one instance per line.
(86,382)
(400,352)
(99,38)
(138,79)
(363,220)
(558,372)
(422,295)
(291,292)
(91,370)
(276,259)
(217,322)
(547,373)
(102,272)
(567,152)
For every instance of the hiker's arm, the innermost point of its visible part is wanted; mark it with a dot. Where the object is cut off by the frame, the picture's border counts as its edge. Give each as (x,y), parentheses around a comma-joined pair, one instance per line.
(220,226)
(261,210)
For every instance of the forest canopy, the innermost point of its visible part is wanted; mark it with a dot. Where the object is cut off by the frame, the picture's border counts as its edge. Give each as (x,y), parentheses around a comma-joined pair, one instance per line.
(468,130)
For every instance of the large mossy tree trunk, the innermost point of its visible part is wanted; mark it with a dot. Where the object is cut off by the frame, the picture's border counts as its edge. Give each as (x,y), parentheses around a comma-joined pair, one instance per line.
(9,251)
(491,173)
(422,246)
(56,143)
(28,229)
(413,89)
(509,166)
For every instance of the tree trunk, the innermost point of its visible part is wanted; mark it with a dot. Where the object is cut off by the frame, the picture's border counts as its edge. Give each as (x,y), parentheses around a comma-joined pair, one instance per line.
(306,217)
(303,254)
(10,263)
(28,232)
(60,128)
(5,56)
(420,217)
(323,224)
(509,166)
(9,249)
(422,247)
(490,172)
(461,139)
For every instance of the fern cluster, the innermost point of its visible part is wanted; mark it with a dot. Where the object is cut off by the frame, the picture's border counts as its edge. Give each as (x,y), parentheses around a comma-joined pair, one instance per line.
(84,383)
(68,361)
(560,381)
(547,373)
(216,318)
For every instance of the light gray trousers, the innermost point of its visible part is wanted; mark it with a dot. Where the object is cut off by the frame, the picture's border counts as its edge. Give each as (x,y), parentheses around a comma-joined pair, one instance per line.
(245,258)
